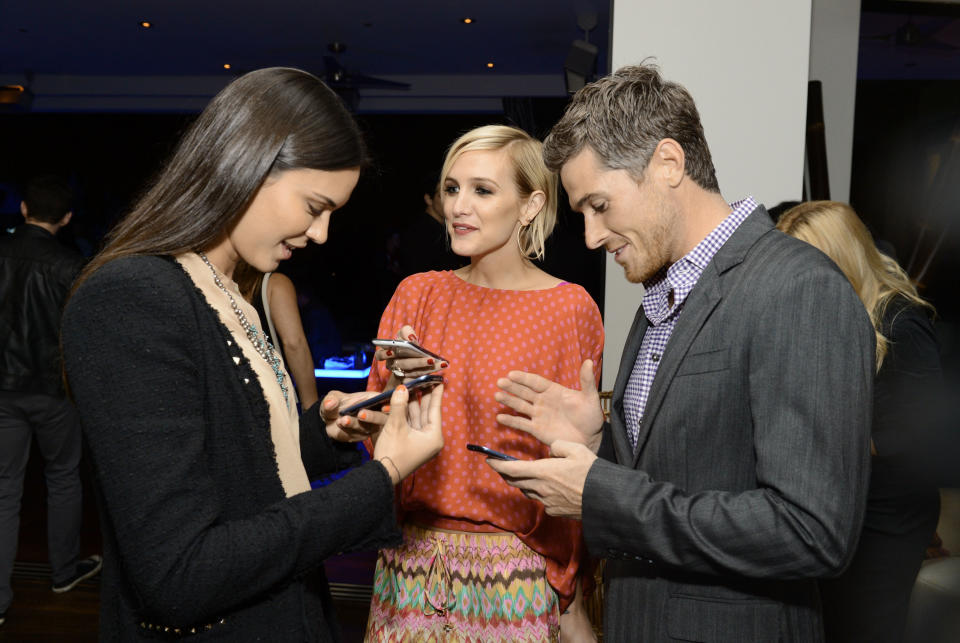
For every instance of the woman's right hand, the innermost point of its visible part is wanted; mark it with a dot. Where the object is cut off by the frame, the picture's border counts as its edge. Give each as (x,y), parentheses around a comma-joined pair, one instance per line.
(412,434)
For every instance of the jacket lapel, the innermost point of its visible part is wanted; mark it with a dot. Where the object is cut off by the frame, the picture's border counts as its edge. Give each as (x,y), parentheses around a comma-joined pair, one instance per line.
(697,308)
(627,359)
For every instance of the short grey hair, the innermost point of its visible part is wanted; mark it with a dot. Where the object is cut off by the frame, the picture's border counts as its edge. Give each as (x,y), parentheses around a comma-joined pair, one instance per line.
(624,116)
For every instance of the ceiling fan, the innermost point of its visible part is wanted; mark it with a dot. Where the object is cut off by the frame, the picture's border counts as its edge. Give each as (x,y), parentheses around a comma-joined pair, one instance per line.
(928,35)
(339,77)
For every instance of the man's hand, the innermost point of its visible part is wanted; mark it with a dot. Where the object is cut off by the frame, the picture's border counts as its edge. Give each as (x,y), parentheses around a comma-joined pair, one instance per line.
(557,482)
(553,412)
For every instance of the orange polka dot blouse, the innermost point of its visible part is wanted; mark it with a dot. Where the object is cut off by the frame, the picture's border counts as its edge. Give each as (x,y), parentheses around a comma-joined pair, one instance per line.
(485,333)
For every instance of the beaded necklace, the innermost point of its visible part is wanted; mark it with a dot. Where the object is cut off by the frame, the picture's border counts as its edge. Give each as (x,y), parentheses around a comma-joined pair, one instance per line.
(260,341)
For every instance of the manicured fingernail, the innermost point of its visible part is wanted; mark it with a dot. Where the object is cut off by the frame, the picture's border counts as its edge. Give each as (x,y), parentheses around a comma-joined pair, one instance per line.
(430,361)
(401,388)
(412,337)
(389,353)
(362,415)
(329,404)
(443,365)
(386,408)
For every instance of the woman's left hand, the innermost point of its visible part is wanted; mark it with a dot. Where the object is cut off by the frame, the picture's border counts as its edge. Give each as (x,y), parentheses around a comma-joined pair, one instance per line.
(575,625)
(349,428)
(405,369)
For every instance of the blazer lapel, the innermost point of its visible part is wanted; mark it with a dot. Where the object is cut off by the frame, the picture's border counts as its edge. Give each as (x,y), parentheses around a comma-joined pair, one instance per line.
(696,310)
(700,303)
(618,424)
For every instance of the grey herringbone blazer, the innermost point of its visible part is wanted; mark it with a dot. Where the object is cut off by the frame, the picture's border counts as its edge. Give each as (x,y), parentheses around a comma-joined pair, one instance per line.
(750,475)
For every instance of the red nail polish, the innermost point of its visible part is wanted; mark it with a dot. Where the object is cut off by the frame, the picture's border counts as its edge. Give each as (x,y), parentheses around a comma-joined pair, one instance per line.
(443,365)
(389,353)
(430,361)
(385,409)
(362,415)
(412,337)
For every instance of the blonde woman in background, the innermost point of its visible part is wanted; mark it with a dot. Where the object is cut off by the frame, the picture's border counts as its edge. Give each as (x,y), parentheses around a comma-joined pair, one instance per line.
(480,561)
(868,602)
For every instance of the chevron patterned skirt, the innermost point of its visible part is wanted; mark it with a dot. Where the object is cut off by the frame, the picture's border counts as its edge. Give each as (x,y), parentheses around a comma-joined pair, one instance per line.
(451,586)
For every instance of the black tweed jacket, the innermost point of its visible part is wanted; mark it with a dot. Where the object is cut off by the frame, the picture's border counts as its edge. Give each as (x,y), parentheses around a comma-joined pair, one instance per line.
(198,534)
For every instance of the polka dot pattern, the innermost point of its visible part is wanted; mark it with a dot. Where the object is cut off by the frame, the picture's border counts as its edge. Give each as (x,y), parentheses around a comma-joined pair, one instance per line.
(485,333)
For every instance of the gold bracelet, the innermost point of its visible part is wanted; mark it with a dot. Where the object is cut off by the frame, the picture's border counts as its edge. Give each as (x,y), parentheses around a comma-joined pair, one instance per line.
(386,458)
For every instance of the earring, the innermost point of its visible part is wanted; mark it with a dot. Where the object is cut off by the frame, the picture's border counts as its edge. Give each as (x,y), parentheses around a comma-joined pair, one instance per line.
(519,245)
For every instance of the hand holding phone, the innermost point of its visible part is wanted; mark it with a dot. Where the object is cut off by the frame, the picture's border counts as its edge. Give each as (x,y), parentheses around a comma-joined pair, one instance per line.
(406,358)
(490,453)
(404,349)
(379,400)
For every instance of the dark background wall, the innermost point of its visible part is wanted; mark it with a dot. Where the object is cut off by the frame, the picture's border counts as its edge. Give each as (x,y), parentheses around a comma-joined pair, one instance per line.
(110,159)
(906,185)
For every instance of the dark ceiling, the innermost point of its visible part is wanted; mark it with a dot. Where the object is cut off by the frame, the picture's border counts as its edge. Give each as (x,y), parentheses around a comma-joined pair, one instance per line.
(43,39)
(383,37)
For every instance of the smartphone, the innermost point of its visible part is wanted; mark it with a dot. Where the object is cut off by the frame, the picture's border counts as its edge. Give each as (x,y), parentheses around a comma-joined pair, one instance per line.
(405,349)
(490,453)
(382,398)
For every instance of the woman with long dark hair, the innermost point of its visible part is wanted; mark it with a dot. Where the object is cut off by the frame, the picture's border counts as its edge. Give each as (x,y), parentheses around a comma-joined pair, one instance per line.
(869,601)
(203,470)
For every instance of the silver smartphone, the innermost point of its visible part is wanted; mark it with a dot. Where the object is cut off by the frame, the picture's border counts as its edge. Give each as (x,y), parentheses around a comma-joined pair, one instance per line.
(405,349)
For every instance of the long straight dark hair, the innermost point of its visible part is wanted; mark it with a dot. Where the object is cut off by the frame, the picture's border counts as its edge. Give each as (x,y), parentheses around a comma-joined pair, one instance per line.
(266,121)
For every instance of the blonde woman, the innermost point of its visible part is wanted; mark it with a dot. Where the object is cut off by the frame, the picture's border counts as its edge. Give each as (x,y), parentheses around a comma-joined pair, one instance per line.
(480,561)
(868,602)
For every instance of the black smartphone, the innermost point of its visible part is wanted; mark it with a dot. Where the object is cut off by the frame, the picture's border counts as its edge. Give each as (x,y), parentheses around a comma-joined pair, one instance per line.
(382,398)
(405,349)
(490,453)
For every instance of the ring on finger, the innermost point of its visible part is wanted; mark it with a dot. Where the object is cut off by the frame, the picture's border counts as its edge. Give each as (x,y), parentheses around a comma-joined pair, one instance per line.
(396,370)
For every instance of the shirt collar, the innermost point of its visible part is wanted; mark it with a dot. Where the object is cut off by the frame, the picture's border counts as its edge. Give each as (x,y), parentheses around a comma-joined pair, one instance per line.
(682,276)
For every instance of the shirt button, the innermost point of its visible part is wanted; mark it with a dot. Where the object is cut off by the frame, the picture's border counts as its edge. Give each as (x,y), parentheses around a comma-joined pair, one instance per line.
(655,358)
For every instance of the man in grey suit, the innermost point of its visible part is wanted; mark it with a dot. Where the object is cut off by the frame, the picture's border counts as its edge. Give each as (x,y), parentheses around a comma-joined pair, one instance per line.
(732,471)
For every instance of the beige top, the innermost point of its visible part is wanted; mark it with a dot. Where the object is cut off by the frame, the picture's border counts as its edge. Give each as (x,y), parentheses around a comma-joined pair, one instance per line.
(284,422)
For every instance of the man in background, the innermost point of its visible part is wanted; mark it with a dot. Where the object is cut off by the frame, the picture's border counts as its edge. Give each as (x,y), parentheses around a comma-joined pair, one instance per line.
(36,272)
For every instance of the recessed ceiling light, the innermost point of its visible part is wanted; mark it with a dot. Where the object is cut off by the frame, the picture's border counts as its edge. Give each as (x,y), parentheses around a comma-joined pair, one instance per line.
(226,65)
(489,65)
(146,24)
(467,21)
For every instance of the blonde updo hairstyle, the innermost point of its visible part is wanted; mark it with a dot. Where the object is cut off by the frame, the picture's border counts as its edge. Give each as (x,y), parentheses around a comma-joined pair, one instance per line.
(835,229)
(529,175)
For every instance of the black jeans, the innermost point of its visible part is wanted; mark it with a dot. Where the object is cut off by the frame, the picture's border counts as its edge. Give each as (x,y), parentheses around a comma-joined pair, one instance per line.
(56,426)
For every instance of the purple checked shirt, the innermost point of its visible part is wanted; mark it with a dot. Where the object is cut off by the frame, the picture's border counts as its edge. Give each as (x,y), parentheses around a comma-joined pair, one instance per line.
(680,278)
